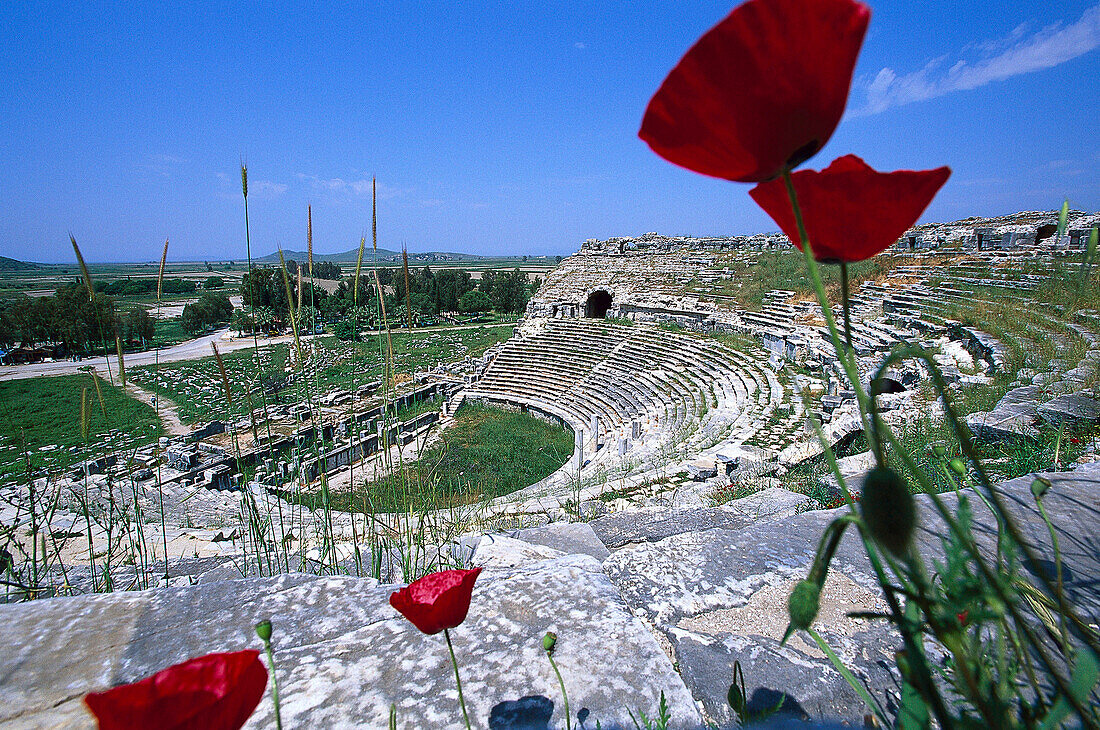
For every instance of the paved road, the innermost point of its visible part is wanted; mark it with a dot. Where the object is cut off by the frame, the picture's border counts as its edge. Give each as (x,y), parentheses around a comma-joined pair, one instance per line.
(189,350)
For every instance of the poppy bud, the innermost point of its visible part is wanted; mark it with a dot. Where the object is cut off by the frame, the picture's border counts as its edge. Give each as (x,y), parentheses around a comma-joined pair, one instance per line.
(888,509)
(1039,486)
(263,630)
(958,466)
(803,604)
(939,450)
(549,641)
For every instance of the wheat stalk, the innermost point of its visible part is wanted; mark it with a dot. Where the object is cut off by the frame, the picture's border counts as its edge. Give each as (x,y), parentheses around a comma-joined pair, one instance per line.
(309,241)
(83,268)
(358,268)
(160,275)
(121,361)
(221,368)
(290,305)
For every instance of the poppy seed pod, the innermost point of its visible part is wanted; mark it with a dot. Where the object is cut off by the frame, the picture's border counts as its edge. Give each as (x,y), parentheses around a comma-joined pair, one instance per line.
(803,604)
(549,641)
(263,630)
(888,509)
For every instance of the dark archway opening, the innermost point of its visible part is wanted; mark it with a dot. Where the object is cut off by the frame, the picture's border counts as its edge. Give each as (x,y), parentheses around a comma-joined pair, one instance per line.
(597,305)
(1044,232)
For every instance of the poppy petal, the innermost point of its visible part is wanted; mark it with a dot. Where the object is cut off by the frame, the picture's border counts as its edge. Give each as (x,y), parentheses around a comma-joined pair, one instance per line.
(437,601)
(851,212)
(760,92)
(216,691)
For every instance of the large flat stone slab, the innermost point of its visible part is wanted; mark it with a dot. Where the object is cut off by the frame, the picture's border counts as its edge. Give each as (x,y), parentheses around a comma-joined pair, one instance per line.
(648,524)
(343,655)
(719,594)
(571,538)
(1073,410)
(1013,417)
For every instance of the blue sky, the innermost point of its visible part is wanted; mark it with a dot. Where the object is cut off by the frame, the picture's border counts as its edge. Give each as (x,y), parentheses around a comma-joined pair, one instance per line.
(499,128)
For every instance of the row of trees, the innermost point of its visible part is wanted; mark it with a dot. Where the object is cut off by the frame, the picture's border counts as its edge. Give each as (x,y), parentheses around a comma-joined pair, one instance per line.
(321,269)
(72,322)
(211,309)
(429,293)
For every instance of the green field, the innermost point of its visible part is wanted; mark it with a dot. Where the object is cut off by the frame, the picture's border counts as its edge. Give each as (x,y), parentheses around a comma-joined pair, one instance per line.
(347,365)
(486,453)
(196,386)
(42,413)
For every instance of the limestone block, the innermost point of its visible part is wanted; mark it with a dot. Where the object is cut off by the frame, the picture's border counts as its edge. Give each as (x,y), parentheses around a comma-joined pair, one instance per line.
(1074,410)
(343,655)
(570,538)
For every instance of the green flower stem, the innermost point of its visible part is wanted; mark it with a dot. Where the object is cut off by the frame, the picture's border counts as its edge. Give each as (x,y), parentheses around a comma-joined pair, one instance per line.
(1081,628)
(1059,584)
(458,682)
(850,678)
(847,304)
(561,683)
(927,687)
(843,356)
(274,684)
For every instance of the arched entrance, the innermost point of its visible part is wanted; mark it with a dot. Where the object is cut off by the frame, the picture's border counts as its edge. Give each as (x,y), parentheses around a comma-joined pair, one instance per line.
(597,305)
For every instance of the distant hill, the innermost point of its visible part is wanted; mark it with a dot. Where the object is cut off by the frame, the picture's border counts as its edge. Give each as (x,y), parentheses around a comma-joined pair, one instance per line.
(7,264)
(350,257)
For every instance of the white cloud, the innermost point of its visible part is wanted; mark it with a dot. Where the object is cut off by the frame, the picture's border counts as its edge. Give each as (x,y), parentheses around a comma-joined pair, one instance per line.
(579,46)
(1021,52)
(256,188)
(359,188)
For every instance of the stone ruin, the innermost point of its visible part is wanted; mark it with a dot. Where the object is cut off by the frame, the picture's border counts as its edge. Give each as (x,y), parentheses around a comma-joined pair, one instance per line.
(652,583)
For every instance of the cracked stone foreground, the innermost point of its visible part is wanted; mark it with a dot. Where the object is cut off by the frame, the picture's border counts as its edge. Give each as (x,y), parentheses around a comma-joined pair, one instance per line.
(667,611)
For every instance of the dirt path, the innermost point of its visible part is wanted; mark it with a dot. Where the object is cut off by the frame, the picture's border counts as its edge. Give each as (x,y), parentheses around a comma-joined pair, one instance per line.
(166,410)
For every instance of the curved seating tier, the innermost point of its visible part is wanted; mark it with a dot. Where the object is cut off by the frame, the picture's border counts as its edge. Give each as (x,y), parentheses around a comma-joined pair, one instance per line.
(687,392)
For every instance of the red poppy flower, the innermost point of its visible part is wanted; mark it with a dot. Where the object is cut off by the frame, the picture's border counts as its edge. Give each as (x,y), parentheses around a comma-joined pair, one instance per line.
(213,692)
(850,211)
(438,600)
(963,617)
(760,92)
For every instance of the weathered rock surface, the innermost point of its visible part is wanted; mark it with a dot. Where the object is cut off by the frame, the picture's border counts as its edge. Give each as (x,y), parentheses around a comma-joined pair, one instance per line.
(569,537)
(656,523)
(1012,418)
(719,595)
(343,655)
(1073,410)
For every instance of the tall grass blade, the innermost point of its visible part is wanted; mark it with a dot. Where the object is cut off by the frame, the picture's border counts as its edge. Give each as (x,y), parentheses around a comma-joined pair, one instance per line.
(121,360)
(84,415)
(225,377)
(160,274)
(358,268)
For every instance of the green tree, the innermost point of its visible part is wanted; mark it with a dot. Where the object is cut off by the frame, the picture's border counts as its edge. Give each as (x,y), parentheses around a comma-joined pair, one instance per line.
(213,282)
(475,301)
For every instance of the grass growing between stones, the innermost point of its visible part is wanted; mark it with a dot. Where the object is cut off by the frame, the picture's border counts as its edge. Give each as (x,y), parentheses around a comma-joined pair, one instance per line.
(42,413)
(348,365)
(488,452)
(195,386)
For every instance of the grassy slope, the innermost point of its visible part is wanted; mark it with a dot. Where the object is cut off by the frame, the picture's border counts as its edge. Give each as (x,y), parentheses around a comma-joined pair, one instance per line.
(46,411)
(488,452)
